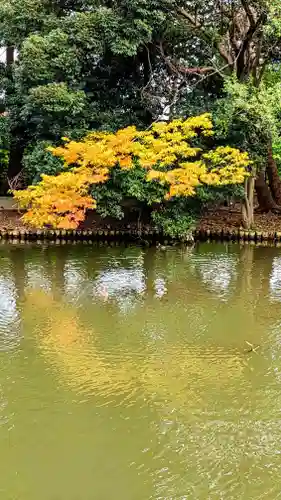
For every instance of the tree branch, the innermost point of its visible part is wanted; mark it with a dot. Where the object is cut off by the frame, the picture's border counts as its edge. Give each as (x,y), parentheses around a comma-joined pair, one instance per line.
(225,55)
(194,22)
(257,60)
(223,9)
(191,89)
(247,40)
(195,71)
(266,59)
(183,13)
(170,65)
(249,13)
(183,70)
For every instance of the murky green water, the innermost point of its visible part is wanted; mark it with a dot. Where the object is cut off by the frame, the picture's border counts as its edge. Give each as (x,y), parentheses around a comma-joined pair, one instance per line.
(125,373)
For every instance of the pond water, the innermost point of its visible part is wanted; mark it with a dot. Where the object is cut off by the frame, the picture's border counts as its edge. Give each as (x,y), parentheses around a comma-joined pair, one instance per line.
(128,374)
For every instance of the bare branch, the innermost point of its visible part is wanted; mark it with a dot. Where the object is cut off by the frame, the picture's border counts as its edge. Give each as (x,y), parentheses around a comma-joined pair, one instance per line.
(167,60)
(189,17)
(195,71)
(193,21)
(225,55)
(191,89)
(179,69)
(16,182)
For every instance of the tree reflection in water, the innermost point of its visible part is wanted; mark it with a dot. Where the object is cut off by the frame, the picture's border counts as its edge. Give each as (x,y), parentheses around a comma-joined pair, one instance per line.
(178,375)
(137,340)
(9,314)
(275,279)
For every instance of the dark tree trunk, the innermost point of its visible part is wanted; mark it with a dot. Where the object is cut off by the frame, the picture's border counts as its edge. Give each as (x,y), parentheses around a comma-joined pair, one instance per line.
(265,199)
(17,257)
(10,55)
(17,133)
(15,160)
(273,177)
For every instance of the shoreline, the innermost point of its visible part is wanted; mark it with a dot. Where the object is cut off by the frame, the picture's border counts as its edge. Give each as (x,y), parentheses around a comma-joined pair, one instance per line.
(223,224)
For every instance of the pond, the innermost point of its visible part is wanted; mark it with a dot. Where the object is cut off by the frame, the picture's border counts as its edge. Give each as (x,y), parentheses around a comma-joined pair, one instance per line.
(135,374)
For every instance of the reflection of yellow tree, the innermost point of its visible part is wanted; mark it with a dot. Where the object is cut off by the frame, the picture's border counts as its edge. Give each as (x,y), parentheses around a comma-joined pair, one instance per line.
(181,374)
(68,345)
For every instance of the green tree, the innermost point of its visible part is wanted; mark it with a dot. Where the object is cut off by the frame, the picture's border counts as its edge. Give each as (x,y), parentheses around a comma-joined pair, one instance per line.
(81,65)
(243,41)
(96,64)
(250,117)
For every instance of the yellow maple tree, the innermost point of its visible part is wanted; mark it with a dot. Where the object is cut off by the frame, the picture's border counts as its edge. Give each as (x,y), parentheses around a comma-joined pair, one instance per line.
(165,151)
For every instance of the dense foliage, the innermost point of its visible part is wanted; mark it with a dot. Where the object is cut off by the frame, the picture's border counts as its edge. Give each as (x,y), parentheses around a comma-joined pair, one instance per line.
(158,166)
(77,66)
(4,151)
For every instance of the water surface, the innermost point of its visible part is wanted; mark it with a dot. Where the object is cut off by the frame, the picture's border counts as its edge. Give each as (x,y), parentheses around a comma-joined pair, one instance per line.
(128,374)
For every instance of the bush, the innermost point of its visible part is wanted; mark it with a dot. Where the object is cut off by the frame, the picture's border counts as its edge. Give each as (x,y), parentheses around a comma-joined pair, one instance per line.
(163,166)
(174,222)
(38,160)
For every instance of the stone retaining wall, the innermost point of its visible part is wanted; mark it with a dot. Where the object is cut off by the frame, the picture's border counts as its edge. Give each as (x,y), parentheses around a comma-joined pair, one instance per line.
(150,237)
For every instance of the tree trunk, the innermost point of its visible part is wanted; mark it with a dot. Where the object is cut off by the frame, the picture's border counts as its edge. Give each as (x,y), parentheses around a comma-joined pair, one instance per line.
(248,205)
(273,177)
(17,258)
(10,55)
(16,149)
(265,199)
(15,160)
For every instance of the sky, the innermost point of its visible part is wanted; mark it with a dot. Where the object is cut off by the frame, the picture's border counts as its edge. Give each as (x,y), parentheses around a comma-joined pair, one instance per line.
(2,54)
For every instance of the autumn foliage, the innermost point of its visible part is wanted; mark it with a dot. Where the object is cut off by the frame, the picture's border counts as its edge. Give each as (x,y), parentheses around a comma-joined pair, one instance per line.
(166,152)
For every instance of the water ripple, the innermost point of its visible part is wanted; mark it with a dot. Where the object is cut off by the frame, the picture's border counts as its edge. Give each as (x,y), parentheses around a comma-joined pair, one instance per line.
(136,365)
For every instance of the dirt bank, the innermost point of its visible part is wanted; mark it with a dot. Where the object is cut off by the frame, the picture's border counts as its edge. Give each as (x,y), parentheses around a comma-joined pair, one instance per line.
(227,219)
(230,219)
